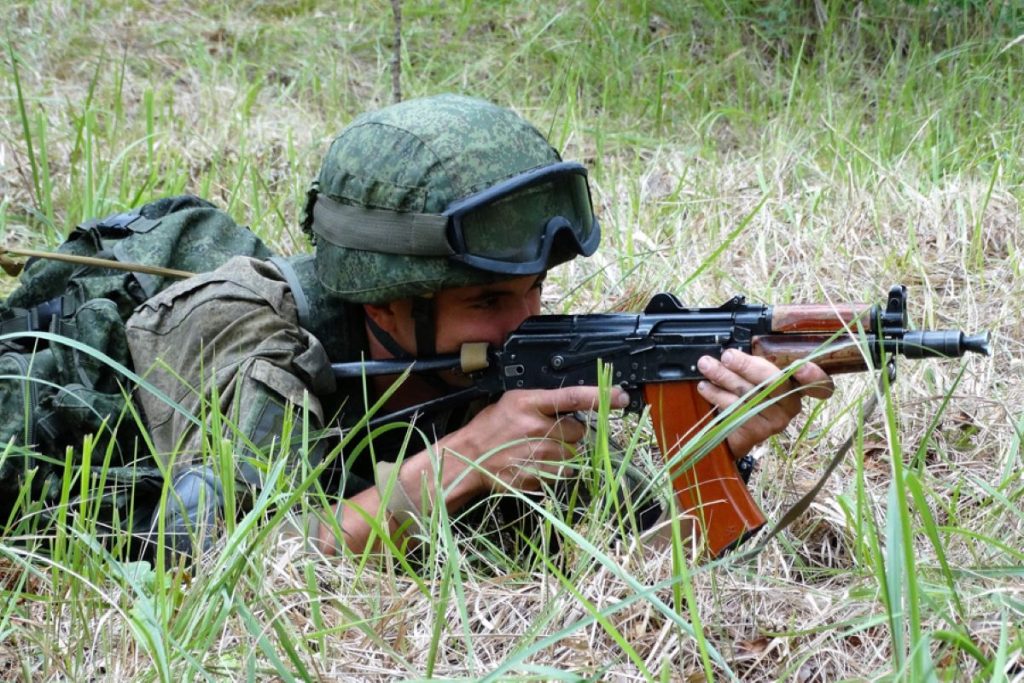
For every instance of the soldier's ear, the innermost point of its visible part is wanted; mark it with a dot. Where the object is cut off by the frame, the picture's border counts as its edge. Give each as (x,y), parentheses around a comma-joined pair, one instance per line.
(388,316)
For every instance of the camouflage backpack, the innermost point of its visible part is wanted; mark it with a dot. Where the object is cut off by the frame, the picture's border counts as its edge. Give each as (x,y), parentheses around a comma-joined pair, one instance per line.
(53,392)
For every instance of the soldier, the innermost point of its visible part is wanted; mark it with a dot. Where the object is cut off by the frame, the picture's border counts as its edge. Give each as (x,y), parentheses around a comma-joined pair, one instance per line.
(435,221)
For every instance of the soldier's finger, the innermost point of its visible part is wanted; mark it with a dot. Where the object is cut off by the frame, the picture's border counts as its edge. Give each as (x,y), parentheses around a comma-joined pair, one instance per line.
(724,378)
(753,369)
(814,381)
(568,429)
(568,400)
(716,395)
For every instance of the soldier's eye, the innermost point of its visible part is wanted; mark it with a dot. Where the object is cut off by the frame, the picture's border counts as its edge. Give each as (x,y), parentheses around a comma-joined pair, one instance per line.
(487,302)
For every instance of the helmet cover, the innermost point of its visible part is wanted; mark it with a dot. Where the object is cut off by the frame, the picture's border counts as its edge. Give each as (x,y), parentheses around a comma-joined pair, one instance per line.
(419,156)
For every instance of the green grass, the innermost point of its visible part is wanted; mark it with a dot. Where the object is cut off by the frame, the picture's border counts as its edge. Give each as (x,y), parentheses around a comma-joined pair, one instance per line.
(790,151)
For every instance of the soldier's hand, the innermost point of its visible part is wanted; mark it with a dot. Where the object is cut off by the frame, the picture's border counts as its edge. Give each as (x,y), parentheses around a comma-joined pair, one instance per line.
(528,434)
(737,373)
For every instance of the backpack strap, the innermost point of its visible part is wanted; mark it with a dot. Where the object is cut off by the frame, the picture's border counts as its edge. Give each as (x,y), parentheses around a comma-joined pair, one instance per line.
(122,224)
(292,278)
(15,320)
(33,319)
(117,221)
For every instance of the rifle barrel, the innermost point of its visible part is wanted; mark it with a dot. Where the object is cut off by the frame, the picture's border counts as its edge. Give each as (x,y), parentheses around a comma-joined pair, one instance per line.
(943,344)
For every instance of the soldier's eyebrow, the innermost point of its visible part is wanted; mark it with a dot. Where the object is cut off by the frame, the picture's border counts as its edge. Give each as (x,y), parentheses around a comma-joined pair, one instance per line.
(499,289)
(490,292)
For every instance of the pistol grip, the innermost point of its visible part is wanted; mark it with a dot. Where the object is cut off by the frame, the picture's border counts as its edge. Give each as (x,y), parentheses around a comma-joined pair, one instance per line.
(712,490)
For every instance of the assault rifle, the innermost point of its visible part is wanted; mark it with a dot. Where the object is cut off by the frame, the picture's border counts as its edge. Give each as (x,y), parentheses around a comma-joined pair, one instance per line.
(653,356)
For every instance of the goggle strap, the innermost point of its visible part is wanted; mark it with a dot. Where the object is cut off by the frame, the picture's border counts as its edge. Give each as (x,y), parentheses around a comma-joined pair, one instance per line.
(380,230)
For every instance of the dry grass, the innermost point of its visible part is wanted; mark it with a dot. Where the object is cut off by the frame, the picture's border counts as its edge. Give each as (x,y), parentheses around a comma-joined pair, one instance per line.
(841,222)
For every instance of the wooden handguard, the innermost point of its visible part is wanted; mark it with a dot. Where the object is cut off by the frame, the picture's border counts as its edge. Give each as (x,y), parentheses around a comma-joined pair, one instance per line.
(808,318)
(839,356)
(712,490)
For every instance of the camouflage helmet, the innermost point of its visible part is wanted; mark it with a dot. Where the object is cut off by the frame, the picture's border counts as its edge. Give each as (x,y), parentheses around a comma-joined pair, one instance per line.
(377,210)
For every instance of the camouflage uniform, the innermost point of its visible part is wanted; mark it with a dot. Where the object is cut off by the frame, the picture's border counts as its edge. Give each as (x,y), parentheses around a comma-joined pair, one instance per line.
(377,215)
(236,332)
(53,394)
(243,335)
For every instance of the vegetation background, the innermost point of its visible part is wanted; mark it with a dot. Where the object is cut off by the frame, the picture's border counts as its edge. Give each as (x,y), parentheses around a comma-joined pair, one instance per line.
(804,150)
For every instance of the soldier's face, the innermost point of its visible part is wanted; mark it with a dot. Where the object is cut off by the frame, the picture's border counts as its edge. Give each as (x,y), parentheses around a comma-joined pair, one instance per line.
(486,312)
(480,313)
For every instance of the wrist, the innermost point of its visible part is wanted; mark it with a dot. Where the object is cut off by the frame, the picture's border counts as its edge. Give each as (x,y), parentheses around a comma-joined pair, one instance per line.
(462,476)
(404,500)
(416,485)
(738,447)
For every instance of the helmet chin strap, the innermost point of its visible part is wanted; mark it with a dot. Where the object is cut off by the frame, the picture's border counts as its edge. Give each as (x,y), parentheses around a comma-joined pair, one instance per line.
(387,341)
(425,330)
(424,327)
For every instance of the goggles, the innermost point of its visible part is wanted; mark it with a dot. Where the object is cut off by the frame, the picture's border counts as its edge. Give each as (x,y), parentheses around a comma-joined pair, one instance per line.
(508,228)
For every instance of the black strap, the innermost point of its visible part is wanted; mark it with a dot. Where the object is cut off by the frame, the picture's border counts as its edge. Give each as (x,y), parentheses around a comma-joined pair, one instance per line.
(387,341)
(15,320)
(119,220)
(292,278)
(423,318)
(33,319)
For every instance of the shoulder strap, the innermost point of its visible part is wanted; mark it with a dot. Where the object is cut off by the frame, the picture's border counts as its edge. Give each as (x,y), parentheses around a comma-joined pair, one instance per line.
(32,319)
(292,278)
(128,220)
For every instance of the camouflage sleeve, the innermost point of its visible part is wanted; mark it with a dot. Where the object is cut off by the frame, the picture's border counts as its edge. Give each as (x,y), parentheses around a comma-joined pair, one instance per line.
(230,336)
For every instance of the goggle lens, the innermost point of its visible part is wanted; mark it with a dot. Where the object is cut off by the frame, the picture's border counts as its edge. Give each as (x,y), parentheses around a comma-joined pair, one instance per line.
(514,228)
